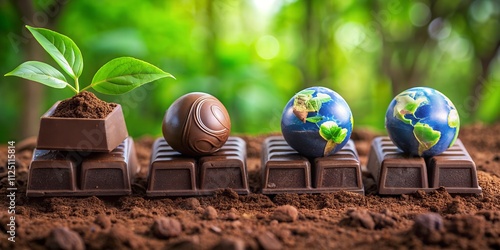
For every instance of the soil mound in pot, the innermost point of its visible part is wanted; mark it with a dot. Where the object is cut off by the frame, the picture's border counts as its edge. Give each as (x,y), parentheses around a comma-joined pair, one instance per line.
(84,105)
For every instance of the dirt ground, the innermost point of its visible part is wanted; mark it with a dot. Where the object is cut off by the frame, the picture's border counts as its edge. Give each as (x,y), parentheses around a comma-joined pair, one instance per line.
(230,221)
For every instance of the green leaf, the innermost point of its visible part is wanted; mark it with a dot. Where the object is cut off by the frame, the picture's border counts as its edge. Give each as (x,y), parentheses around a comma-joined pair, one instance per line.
(340,135)
(313,105)
(306,92)
(333,134)
(330,131)
(40,72)
(124,74)
(61,48)
(426,137)
(324,131)
(323,97)
(314,119)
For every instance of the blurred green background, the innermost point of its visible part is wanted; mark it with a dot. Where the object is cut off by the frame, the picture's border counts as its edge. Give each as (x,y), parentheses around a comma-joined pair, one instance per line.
(255,55)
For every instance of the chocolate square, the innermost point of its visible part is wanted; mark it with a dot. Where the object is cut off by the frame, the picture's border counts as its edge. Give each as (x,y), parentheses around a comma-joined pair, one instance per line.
(55,173)
(286,171)
(82,134)
(52,171)
(453,169)
(174,174)
(398,173)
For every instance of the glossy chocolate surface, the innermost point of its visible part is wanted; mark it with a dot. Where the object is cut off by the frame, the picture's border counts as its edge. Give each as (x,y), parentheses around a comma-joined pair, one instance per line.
(82,134)
(174,174)
(398,173)
(72,173)
(286,171)
(196,124)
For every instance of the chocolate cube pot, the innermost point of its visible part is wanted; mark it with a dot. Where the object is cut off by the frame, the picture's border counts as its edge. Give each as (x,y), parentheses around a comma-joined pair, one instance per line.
(82,134)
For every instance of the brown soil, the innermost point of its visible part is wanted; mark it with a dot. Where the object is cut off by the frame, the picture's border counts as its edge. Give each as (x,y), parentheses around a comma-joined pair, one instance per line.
(290,221)
(84,105)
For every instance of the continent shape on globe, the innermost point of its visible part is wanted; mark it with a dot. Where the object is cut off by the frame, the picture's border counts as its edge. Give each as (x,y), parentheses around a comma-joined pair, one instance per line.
(422,121)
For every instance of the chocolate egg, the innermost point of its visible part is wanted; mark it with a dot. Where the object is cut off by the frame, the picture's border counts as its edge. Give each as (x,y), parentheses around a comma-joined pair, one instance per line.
(196,124)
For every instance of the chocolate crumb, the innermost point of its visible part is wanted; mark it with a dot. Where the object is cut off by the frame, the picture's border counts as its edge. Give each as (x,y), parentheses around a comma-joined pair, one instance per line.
(232,216)
(230,244)
(65,239)
(369,219)
(268,241)
(84,105)
(285,213)
(428,227)
(103,221)
(361,218)
(165,228)
(216,229)
(190,203)
(210,213)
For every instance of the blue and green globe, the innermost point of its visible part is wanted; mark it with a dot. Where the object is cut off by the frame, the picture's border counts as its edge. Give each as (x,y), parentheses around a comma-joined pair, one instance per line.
(422,121)
(317,122)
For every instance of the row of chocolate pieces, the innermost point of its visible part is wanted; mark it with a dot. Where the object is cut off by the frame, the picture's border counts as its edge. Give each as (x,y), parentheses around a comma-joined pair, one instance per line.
(284,170)
(82,157)
(174,174)
(395,172)
(197,156)
(303,161)
(314,155)
(398,173)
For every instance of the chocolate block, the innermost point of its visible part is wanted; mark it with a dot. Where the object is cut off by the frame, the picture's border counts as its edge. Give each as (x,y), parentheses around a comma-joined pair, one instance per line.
(398,173)
(72,173)
(174,174)
(82,134)
(286,171)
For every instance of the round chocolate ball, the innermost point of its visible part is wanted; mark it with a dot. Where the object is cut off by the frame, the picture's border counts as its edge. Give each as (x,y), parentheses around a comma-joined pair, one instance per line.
(196,124)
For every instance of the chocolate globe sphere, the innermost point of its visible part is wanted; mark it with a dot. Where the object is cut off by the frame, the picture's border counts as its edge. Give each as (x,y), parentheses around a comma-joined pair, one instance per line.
(422,121)
(196,124)
(317,122)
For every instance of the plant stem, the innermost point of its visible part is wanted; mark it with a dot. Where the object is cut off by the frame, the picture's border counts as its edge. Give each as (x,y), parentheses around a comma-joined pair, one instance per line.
(90,86)
(72,88)
(77,85)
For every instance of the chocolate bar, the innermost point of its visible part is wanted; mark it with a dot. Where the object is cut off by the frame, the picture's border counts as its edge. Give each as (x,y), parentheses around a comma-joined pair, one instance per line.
(174,174)
(286,171)
(82,134)
(398,173)
(73,173)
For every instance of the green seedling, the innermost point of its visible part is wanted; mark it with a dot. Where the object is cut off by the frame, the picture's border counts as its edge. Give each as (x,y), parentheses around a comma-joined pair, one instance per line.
(117,76)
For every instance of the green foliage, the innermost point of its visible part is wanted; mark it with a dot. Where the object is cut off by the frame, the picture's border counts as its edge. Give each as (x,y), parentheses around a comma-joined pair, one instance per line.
(305,102)
(40,72)
(330,131)
(314,119)
(61,48)
(254,60)
(333,134)
(116,77)
(124,74)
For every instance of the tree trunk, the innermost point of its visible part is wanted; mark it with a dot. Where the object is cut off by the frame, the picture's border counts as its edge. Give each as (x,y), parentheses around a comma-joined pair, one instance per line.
(33,93)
